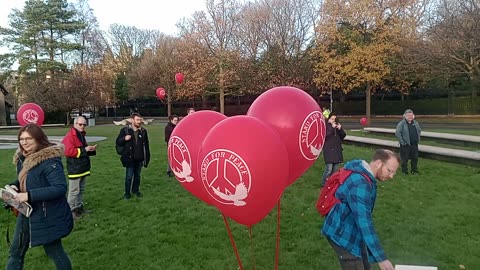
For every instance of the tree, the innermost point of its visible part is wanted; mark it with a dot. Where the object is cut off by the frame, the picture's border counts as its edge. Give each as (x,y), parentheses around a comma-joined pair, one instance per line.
(91,37)
(454,39)
(276,36)
(3,112)
(215,30)
(40,36)
(355,43)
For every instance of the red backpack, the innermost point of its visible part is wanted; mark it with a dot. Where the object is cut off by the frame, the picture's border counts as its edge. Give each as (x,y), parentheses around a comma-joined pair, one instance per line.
(327,200)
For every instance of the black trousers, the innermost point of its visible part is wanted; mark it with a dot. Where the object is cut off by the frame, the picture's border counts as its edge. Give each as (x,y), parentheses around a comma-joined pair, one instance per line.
(409,152)
(350,262)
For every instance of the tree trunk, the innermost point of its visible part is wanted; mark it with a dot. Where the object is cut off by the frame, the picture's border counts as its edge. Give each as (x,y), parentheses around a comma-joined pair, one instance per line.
(222,90)
(68,118)
(368,101)
(204,102)
(169,101)
(3,111)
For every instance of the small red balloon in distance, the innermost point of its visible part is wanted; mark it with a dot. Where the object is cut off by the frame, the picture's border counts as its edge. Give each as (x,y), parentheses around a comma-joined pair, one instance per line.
(363,121)
(179,78)
(161,93)
(183,148)
(243,164)
(30,113)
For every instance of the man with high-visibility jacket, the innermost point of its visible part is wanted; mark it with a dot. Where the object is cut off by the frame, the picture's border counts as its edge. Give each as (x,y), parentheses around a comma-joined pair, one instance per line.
(78,153)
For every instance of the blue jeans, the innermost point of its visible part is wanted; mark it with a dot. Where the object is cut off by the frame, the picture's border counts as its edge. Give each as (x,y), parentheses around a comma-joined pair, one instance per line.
(133,172)
(330,168)
(21,242)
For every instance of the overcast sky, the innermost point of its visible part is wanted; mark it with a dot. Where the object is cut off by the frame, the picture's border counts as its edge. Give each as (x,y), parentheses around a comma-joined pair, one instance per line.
(146,14)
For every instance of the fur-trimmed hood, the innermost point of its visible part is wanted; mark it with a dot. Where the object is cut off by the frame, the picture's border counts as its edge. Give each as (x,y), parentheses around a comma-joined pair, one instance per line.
(42,155)
(32,160)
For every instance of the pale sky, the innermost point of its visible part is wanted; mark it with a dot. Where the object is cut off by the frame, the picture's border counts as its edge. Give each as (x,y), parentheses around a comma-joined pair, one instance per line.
(145,14)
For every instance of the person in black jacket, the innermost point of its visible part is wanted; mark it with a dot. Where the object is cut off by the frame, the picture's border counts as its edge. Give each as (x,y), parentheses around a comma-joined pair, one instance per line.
(136,154)
(172,122)
(40,182)
(332,148)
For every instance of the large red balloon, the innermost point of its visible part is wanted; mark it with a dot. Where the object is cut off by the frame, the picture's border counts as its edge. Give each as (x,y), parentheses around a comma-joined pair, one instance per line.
(244,168)
(183,148)
(30,113)
(298,119)
(363,121)
(179,78)
(161,93)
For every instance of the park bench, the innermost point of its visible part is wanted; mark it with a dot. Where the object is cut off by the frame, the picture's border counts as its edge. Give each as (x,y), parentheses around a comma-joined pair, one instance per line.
(456,139)
(434,152)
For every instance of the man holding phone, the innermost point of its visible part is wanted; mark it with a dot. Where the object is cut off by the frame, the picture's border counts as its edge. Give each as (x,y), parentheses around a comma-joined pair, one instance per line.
(78,153)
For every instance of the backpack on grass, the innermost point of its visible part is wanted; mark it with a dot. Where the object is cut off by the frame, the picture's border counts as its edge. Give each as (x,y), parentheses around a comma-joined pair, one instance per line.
(327,200)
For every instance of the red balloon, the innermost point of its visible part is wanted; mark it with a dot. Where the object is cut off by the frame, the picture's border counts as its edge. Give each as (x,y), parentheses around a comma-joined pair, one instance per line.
(363,121)
(30,113)
(161,93)
(183,148)
(179,78)
(244,168)
(298,119)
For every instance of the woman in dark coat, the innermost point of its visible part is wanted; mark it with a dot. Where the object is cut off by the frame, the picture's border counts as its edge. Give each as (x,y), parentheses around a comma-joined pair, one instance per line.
(172,122)
(332,148)
(41,182)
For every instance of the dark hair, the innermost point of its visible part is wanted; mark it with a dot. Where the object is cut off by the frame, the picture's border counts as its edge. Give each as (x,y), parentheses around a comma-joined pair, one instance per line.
(384,155)
(170,118)
(333,114)
(135,114)
(37,134)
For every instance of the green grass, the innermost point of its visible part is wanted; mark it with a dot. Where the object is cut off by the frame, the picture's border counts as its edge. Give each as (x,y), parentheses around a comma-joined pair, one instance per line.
(429,219)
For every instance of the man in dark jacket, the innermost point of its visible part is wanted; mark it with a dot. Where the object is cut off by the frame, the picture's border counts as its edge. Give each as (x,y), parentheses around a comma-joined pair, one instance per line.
(135,155)
(408,133)
(78,153)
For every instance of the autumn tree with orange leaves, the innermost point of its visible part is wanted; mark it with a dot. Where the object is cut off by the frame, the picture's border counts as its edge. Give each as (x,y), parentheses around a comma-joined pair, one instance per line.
(356,42)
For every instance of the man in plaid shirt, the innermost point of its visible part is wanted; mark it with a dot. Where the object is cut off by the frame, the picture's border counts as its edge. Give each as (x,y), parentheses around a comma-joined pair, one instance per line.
(349,226)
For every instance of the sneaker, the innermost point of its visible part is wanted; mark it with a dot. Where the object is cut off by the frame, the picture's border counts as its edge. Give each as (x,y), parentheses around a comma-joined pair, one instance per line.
(415,172)
(138,194)
(76,214)
(82,210)
(127,196)
(169,174)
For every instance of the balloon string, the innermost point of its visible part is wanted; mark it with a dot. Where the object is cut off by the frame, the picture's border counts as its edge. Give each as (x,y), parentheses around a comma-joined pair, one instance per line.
(277,244)
(252,252)
(232,241)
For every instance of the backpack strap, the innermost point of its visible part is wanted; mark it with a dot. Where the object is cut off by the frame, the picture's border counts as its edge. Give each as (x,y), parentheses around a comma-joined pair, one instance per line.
(364,176)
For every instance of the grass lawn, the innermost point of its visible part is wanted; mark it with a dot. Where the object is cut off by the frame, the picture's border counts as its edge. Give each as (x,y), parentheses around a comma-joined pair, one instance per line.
(428,219)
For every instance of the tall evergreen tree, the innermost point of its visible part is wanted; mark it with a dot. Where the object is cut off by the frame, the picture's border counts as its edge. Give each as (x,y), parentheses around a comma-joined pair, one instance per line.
(40,35)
